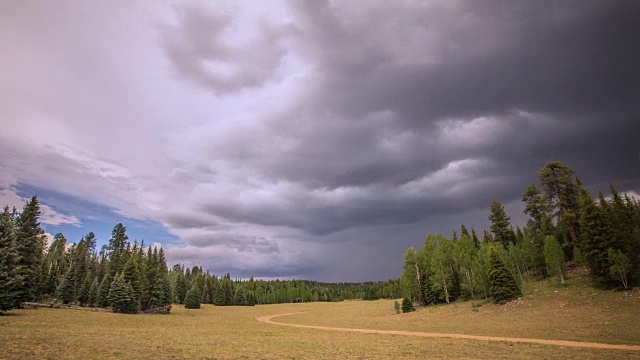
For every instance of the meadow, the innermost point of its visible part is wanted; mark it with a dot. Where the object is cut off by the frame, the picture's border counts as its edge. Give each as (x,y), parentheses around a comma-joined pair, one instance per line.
(548,311)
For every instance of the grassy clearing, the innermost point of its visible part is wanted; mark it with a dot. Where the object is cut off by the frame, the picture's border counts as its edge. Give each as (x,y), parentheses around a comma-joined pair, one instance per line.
(548,311)
(233,332)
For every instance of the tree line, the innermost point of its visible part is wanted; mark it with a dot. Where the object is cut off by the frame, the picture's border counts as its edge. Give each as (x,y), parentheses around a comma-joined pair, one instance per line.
(224,291)
(565,224)
(123,276)
(129,277)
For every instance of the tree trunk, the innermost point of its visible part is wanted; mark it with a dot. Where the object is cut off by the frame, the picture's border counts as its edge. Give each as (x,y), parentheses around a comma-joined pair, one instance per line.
(446,292)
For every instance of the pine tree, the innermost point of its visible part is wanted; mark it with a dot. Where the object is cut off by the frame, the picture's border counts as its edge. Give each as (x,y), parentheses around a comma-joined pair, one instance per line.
(464,231)
(122,297)
(118,244)
(131,274)
(30,246)
(166,296)
(538,210)
(251,298)
(500,225)
(561,193)
(219,297)
(181,288)
(503,286)
(66,291)
(239,298)
(84,292)
(10,278)
(93,292)
(228,289)
(102,298)
(192,299)
(407,305)
(595,242)
(55,265)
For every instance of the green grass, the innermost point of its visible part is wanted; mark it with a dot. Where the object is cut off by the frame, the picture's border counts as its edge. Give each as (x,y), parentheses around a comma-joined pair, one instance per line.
(574,313)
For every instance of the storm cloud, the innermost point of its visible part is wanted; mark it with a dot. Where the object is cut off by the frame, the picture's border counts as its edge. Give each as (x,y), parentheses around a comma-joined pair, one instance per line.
(314,139)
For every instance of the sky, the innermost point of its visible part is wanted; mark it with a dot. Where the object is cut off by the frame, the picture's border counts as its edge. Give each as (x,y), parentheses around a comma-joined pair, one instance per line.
(308,139)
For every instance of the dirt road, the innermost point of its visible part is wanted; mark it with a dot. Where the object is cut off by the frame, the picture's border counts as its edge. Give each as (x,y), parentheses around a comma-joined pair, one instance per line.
(581,344)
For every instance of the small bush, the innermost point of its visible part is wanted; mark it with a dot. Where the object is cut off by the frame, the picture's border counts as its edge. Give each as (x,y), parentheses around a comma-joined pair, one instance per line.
(407,305)
(396,306)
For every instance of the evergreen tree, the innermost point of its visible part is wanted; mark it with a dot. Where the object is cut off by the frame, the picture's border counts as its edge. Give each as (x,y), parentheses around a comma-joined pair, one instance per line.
(538,210)
(93,292)
(239,298)
(131,274)
(102,297)
(192,298)
(503,286)
(407,305)
(10,278)
(464,231)
(122,297)
(595,242)
(561,193)
(30,246)
(474,237)
(251,298)
(500,225)
(219,297)
(166,295)
(66,290)
(228,289)
(55,265)
(84,293)
(153,284)
(117,247)
(181,288)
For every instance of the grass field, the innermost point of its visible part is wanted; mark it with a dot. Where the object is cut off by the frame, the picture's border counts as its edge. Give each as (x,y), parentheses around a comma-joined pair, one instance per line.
(575,313)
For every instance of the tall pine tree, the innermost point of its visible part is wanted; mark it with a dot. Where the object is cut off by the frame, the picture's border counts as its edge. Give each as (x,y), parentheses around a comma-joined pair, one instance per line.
(30,246)
(10,277)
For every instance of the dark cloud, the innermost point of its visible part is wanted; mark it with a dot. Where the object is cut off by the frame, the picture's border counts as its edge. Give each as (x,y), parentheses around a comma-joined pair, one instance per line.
(514,84)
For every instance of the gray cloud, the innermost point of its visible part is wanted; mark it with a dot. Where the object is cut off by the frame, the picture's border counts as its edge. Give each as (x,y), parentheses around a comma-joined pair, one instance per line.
(205,48)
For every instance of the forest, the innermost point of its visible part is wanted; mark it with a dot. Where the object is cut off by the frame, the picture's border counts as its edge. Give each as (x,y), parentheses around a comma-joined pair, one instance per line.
(566,226)
(130,278)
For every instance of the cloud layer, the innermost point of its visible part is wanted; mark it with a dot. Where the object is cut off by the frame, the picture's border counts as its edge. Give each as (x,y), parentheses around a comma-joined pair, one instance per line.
(314,139)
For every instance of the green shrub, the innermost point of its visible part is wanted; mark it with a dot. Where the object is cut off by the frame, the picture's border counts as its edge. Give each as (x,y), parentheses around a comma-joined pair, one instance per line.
(407,305)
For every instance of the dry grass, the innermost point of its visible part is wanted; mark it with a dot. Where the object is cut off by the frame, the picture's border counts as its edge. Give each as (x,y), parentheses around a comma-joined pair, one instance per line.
(547,311)
(233,332)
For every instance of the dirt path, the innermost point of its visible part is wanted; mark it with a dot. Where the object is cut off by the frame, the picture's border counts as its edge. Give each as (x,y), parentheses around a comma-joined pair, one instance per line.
(581,344)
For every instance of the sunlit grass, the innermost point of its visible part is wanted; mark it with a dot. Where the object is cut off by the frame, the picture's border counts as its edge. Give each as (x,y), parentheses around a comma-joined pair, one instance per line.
(576,313)
(547,310)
